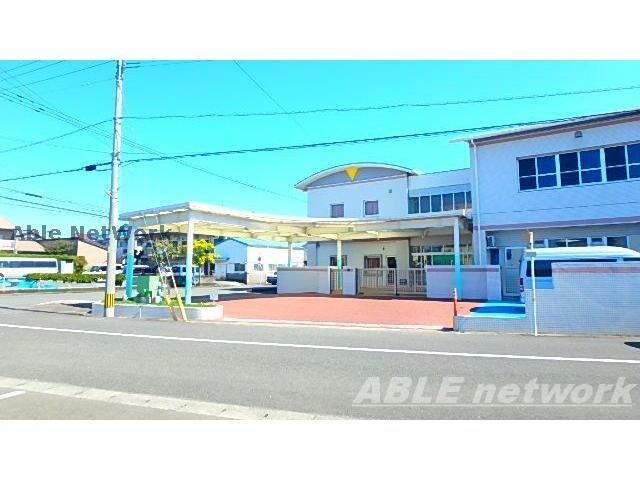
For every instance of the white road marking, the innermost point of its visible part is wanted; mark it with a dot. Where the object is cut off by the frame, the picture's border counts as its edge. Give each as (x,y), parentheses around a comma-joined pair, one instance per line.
(220,410)
(326,347)
(15,393)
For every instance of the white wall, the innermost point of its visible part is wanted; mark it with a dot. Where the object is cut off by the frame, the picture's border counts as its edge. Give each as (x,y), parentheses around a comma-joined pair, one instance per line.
(440,179)
(237,252)
(276,256)
(502,203)
(590,298)
(391,194)
(479,282)
(303,280)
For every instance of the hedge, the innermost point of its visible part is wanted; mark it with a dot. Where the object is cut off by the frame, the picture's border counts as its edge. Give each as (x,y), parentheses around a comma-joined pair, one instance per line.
(72,277)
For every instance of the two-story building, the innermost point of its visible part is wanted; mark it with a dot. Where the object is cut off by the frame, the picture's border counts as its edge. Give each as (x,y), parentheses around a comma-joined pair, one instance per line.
(570,183)
(374,191)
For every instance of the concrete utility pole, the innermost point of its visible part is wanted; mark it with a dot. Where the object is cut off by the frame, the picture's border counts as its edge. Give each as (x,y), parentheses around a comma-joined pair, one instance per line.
(110,288)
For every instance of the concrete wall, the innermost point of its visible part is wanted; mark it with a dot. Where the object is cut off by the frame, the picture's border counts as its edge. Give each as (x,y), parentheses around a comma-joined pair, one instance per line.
(589,298)
(304,280)
(479,282)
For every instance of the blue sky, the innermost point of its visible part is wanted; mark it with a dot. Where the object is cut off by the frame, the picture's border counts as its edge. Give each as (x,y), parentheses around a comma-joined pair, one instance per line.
(220,86)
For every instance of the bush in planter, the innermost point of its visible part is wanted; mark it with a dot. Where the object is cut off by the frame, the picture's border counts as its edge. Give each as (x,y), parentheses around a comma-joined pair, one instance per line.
(72,277)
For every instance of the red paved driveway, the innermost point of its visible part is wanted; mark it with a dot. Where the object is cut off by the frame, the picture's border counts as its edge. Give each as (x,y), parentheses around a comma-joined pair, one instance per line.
(354,310)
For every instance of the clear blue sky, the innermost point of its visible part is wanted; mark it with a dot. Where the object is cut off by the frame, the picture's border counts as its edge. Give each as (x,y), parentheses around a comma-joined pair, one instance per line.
(220,86)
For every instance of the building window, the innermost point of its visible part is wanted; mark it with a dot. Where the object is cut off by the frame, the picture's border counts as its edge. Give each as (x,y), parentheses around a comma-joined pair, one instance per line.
(469,202)
(615,162)
(527,173)
(337,210)
(414,205)
(590,171)
(633,157)
(617,242)
(238,267)
(425,204)
(458,201)
(436,203)
(569,170)
(371,207)
(333,260)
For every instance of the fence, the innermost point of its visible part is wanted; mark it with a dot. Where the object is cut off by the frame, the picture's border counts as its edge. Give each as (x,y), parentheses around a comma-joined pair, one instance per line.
(391,281)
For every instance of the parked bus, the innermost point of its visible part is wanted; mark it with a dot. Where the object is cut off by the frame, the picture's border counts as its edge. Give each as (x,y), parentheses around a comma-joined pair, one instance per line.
(545,257)
(18,267)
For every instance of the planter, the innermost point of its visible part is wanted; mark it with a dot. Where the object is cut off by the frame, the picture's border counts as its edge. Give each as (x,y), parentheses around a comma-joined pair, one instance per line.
(159,311)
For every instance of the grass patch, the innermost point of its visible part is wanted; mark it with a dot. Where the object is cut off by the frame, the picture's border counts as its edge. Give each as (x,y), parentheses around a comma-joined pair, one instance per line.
(173,304)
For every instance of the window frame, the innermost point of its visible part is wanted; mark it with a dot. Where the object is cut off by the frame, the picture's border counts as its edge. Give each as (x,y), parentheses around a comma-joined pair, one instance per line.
(602,167)
(331,206)
(364,208)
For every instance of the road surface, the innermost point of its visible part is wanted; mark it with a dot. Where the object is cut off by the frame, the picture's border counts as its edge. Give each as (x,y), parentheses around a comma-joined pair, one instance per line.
(73,366)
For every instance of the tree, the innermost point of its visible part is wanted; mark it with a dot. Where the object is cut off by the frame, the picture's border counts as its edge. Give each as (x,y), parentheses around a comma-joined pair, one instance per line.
(61,247)
(163,249)
(203,252)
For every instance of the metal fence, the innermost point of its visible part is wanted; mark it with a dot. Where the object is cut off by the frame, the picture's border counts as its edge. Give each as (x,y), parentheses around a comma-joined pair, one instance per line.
(392,281)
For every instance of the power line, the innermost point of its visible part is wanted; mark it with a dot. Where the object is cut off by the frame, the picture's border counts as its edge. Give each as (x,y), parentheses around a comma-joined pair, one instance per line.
(38,142)
(22,65)
(381,107)
(60,75)
(269,96)
(54,199)
(39,68)
(94,167)
(131,65)
(49,206)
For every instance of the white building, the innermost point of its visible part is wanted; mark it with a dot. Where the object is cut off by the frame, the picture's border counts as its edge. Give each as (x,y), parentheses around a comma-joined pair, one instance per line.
(252,260)
(572,183)
(375,191)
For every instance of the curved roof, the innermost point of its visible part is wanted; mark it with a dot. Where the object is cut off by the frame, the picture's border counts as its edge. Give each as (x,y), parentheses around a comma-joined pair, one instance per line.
(6,224)
(304,184)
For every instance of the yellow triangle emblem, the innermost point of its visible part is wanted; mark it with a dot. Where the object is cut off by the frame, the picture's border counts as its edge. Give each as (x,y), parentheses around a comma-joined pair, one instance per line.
(352,172)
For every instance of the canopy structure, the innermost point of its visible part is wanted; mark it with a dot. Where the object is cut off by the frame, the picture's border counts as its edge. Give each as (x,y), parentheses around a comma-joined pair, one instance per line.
(193,217)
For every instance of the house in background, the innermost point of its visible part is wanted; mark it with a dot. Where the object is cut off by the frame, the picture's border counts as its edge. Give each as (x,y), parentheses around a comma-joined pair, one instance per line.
(93,252)
(251,260)
(10,244)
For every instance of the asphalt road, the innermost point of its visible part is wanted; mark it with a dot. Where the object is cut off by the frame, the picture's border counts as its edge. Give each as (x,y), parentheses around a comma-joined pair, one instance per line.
(145,368)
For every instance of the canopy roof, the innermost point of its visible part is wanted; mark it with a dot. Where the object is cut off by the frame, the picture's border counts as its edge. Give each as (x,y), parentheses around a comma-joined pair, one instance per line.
(219,221)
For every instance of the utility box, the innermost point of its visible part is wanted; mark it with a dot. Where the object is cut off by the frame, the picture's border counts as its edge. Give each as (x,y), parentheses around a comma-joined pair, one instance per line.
(149,288)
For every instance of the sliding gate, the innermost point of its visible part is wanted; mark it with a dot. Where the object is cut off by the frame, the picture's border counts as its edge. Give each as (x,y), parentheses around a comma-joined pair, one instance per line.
(392,281)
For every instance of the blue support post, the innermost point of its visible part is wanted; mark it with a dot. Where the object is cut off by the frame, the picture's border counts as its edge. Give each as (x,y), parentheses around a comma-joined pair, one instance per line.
(188,281)
(131,245)
(456,256)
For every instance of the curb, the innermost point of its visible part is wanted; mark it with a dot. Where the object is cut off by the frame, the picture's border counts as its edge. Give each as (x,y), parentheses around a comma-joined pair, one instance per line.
(306,323)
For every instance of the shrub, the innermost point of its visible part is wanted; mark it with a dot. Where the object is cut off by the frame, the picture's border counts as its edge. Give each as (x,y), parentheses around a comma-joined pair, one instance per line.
(72,277)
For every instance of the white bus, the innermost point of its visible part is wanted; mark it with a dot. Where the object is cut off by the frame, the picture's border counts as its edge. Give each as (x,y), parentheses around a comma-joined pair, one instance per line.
(18,267)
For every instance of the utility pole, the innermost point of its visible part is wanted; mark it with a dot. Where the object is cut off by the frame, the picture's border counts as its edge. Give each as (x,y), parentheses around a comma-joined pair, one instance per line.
(110,288)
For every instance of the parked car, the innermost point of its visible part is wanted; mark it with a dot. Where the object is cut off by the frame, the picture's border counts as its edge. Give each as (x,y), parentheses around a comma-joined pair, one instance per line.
(545,257)
(273,279)
(180,274)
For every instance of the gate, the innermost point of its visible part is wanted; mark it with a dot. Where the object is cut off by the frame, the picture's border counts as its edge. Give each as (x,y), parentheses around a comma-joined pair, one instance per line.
(335,281)
(391,281)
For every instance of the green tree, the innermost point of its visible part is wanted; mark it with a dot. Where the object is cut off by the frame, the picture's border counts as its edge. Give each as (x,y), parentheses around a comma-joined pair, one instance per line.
(163,249)
(60,247)
(203,252)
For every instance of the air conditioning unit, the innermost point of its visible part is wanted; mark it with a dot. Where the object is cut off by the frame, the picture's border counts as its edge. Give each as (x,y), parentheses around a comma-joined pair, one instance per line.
(491,241)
